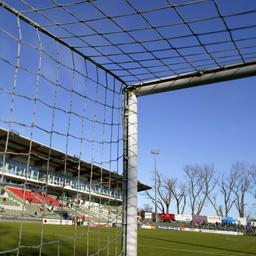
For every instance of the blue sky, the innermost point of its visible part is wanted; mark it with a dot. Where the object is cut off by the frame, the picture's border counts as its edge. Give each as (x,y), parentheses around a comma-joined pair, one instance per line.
(212,124)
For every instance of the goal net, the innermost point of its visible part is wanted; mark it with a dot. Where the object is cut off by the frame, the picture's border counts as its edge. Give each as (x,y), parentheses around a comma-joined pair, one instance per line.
(60,147)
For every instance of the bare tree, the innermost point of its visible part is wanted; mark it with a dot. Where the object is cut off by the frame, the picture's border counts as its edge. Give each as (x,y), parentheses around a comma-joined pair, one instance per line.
(159,203)
(194,184)
(199,185)
(253,180)
(179,194)
(253,183)
(164,195)
(213,199)
(241,175)
(209,183)
(226,185)
(164,191)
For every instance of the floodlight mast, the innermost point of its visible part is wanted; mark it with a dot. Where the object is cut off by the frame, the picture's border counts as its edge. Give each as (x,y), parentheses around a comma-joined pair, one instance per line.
(155,152)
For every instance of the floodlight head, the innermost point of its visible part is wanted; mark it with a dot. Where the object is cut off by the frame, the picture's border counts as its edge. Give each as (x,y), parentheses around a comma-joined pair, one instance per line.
(155,151)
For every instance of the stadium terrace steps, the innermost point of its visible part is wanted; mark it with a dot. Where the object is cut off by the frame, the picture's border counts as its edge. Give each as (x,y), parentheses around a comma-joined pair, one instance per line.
(34,206)
(47,199)
(33,197)
(39,205)
(96,213)
(9,201)
(24,194)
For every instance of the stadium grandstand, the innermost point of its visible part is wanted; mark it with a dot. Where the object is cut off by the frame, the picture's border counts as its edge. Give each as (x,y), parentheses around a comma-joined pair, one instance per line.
(43,192)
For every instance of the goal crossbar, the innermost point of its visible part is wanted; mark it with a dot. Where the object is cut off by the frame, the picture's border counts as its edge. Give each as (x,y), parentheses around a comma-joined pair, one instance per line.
(195,79)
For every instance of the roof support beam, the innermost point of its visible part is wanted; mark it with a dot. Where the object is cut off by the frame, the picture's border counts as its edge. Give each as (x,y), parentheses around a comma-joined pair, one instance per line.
(195,79)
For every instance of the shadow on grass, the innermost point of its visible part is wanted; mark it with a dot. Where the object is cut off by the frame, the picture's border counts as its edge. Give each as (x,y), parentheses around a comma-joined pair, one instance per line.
(199,245)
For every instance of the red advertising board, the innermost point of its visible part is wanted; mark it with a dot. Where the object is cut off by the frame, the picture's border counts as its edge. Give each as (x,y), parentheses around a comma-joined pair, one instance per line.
(167,217)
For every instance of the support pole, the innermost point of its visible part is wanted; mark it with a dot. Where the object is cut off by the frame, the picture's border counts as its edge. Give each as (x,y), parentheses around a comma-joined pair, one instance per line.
(130,174)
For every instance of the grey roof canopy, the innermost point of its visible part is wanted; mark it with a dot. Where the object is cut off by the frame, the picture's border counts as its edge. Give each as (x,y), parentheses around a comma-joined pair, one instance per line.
(141,41)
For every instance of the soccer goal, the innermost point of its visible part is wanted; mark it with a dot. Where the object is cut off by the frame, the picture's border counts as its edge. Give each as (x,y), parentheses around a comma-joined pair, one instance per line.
(71,75)
(61,149)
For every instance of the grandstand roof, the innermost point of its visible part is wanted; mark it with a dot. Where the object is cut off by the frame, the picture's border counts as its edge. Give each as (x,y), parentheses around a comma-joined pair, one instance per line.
(19,146)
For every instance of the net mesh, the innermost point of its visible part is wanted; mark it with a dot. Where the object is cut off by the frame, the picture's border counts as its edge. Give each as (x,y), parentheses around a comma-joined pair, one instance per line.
(148,40)
(60,146)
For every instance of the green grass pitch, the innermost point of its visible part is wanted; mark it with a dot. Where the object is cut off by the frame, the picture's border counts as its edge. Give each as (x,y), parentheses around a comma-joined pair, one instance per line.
(150,242)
